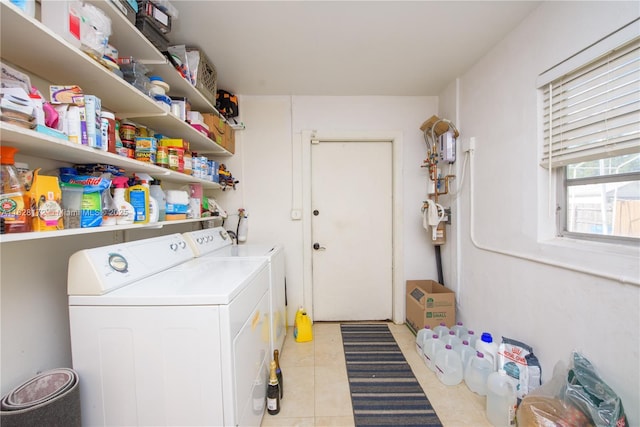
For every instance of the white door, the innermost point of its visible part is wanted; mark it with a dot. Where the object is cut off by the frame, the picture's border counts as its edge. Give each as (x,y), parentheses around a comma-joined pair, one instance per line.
(351,199)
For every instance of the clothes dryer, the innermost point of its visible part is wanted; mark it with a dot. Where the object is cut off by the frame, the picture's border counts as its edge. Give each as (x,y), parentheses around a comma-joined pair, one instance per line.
(162,338)
(216,243)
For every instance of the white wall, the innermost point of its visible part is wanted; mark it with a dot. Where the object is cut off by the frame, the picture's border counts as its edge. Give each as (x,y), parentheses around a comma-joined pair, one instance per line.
(556,310)
(269,160)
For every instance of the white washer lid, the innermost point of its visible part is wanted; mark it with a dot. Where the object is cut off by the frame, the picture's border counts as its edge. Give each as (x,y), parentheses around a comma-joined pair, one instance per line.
(246,250)
(196,282)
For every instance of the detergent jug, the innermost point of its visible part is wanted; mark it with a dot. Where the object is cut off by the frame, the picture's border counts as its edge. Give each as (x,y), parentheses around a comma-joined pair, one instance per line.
(302,327)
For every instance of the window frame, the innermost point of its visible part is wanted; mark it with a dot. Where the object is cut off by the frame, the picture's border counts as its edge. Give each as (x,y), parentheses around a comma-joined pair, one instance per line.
(562,206)
(557,172)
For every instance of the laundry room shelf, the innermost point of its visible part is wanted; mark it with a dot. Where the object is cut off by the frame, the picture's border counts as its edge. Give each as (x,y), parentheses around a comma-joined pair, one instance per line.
(35,235)
(36,144)
(46,54)
(127,37)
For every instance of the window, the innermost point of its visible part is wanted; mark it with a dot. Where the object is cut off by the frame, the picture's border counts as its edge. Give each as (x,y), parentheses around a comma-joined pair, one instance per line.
(591,120)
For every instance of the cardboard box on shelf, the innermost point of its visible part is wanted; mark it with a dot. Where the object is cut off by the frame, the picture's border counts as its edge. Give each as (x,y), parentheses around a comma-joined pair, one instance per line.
(220,131)
(230,139)
(429,303)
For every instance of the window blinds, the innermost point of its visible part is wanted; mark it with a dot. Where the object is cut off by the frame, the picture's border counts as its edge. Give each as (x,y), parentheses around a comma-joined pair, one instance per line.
(593,112)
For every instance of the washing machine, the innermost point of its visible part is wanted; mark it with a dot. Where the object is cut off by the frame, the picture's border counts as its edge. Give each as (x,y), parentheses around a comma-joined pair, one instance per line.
(162,338)
(215,243)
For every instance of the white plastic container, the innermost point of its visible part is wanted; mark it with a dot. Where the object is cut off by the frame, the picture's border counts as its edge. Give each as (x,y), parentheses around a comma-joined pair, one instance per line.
(155,191)
(243,228)
(430,350)
(74,124)
(451,339)
(441,329)
(449,366)
(477,373)
(421,338)
(471,337)
(501,399)
(459,329)
(465,351)
(489,348)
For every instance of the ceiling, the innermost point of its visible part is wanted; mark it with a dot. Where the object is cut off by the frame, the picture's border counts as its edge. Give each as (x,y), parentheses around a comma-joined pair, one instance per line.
(400,48)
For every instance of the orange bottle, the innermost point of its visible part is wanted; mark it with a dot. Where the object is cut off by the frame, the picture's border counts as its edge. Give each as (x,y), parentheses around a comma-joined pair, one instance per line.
(14,201)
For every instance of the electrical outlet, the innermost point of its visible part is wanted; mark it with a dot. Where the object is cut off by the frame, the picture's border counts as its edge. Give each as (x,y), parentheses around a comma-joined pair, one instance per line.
(469,144)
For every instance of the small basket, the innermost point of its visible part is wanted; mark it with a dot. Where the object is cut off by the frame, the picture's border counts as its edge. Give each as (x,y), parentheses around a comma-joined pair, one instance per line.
(206,77)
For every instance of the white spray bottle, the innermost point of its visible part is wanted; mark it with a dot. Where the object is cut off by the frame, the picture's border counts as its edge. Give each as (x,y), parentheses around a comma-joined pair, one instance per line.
(109,206)
(242,225)
(126,213)
(154,209)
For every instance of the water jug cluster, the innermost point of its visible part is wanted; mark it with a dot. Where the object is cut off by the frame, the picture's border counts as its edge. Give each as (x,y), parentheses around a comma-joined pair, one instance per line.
(458,354)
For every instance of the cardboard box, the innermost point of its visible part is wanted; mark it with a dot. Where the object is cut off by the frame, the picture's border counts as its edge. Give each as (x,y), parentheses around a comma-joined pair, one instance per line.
(429,303)
(216,127)
(230,139)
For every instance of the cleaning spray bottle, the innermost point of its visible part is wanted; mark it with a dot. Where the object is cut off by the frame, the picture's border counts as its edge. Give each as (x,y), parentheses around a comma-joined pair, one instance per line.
(139,199)
(126,213)
(243,225)
(154,210)
(14,200)
(109,206)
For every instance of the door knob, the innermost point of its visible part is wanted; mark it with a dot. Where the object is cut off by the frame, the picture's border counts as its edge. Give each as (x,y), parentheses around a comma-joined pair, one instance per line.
(317,247)
(316,212)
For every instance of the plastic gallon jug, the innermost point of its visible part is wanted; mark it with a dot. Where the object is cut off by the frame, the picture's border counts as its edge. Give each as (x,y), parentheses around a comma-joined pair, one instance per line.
(471,337)
(302,327)
(421,337)
(501,399)
(449,366)
(465,351)
(489,348)
(451,339)
(441,329)
(477,373)
(459,330)
(430,349)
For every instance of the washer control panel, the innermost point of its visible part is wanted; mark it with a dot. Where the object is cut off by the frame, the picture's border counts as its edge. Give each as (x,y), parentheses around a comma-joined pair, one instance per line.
(98,271)
(208,240)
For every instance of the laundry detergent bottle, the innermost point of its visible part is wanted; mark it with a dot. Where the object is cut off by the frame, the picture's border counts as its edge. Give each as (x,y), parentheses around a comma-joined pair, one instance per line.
(126,214)
(14,200)
(139,199)
(302,327)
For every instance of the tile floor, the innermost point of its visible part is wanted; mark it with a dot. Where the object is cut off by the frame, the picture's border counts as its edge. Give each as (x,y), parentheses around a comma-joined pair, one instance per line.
(316,390)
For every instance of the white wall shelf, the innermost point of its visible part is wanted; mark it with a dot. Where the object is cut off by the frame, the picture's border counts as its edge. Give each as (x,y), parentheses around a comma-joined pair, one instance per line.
(126,36)
(47,55)
(30,45)
(172,126)
(34,235)
(36,144)
(37,49)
